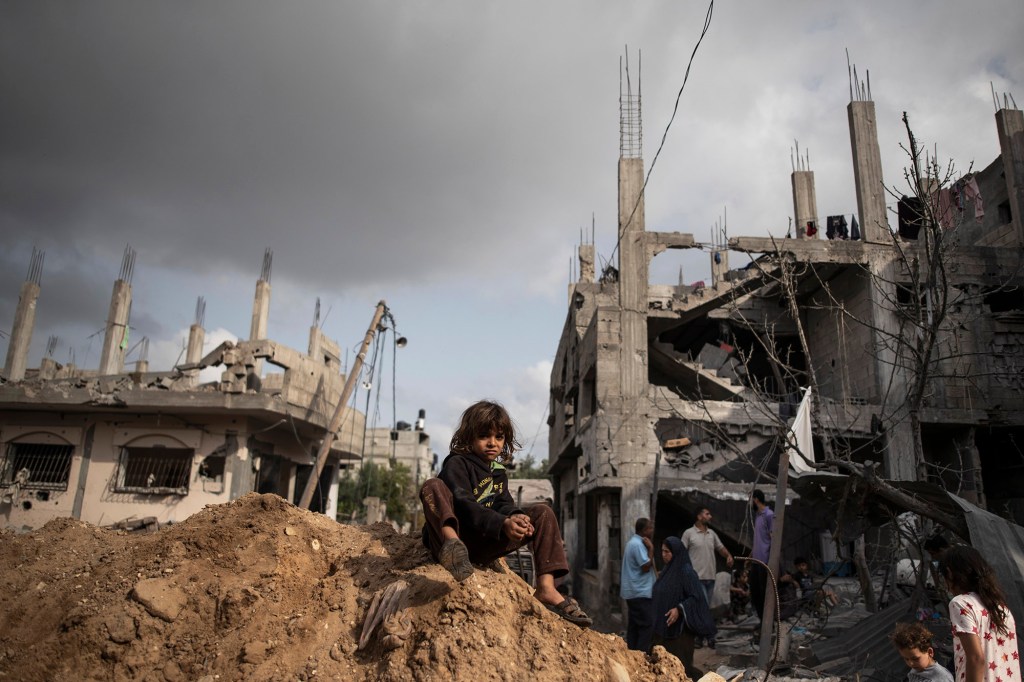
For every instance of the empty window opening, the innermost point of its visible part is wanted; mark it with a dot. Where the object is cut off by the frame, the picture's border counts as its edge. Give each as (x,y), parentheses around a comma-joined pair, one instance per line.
(212,467)
(155,470)
(1004,299)
(41,466)
(1005,215)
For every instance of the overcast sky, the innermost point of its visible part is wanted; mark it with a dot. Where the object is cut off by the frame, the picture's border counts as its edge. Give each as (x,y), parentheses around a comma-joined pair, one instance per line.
(441,155)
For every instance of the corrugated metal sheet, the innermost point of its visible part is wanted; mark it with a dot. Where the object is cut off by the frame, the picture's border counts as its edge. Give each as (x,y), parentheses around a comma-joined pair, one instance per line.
(1002,545)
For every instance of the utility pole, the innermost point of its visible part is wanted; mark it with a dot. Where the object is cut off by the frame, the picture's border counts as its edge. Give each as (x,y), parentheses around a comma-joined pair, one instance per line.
(339,413)
(768,621)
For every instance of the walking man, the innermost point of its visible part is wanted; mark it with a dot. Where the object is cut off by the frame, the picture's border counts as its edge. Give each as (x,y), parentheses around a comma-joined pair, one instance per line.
(702,543)
(763,521)
(637,579)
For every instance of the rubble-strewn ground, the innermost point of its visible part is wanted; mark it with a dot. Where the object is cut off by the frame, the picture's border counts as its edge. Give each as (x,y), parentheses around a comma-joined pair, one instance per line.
(260,590)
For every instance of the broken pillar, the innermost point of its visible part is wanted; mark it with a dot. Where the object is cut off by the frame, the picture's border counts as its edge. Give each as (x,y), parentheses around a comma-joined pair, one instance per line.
(633,276)
(48,369)
(630,450)
(196,339)
(1010,126)
(867,168)
(115,341)
(805,205)
(719,266)
(194,350)
(261,307)
(586,255)
(323,350)
(24,320)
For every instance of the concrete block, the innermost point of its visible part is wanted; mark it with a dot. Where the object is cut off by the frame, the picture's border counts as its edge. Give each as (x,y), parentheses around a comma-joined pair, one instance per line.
(712,357)
(733,369)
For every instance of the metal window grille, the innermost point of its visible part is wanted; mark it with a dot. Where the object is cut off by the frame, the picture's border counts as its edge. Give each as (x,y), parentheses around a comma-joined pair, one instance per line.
(48,466)
(157,470)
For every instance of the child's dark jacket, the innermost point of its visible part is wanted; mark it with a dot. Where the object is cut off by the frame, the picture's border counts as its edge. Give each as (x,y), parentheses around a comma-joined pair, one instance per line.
(482,500)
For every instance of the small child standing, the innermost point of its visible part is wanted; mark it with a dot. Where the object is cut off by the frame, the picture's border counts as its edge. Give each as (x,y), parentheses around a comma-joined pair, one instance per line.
(739,594)
(914,642)
(472,519)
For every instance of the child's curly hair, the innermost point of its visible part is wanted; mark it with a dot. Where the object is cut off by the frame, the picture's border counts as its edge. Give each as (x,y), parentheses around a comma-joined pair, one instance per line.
(912,636)
(480,420)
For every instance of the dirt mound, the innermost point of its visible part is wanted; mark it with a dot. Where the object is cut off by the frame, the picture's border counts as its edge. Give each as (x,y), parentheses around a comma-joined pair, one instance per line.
(260,590)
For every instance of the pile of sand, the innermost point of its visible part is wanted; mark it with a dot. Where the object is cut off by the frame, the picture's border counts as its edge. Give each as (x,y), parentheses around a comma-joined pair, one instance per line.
(261,590)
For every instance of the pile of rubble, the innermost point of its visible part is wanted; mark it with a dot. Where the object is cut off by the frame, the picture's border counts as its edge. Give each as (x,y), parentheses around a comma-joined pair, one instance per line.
(260,590)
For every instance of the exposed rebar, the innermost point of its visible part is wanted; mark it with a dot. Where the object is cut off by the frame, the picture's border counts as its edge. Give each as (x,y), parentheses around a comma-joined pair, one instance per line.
(200,318)
(35,266)
(316,313)
(630,126)
(51,345)
(268,261)
(127,264)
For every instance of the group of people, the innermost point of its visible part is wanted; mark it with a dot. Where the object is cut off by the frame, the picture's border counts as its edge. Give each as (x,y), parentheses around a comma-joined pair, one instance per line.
(471,518)
(670,608)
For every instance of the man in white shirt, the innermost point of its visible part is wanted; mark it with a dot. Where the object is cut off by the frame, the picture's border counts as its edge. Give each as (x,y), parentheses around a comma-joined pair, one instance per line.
(702,543)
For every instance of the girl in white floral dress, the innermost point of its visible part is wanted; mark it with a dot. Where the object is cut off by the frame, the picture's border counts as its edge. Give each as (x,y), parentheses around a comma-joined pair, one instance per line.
(984,633)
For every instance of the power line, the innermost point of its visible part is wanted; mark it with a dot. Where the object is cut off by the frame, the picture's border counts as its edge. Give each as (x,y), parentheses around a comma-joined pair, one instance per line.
(664,136)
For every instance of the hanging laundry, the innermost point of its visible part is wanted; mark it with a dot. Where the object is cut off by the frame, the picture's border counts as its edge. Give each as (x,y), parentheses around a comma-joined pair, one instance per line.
(910,212)
(972,193)
(841,231)
(854,228)
(812,229)
(835,227)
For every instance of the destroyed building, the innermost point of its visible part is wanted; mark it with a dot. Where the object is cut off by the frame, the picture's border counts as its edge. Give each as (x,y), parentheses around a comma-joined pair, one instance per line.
(406,444)
(134,446)
(664,398)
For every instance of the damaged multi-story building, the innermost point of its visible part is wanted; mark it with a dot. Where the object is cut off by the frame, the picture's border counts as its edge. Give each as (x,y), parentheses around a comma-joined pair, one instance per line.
(665,398)
(113,445)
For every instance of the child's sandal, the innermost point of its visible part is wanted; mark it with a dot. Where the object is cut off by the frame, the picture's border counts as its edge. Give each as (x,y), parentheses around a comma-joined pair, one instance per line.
(571,611)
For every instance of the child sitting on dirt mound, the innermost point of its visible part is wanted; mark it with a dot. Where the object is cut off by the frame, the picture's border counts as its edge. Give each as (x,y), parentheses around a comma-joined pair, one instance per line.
(472,519)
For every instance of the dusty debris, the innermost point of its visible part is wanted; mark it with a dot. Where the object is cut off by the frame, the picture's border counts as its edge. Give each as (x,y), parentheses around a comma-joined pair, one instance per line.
(387,605)
(248,602)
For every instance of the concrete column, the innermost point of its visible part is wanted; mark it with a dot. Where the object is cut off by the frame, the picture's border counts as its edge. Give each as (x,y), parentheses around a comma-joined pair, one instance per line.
(115,343)
(867,172)
(142,366)
(314,342)
(194,350)
(196,338)
(1010,126)
(633,274)
(48,369)
(805,204)
(260,315)
(260,311)
(21,332)
(586,254)
(719,266)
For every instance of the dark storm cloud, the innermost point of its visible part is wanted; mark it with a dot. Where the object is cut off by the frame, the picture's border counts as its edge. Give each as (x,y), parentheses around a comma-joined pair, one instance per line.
(371,136)
(379,141)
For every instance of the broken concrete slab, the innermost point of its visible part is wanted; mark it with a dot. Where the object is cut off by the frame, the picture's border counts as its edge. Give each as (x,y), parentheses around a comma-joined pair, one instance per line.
(160,597)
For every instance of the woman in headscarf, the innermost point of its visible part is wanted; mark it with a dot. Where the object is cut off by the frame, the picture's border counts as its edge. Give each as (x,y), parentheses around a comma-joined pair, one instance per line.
(680,605)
